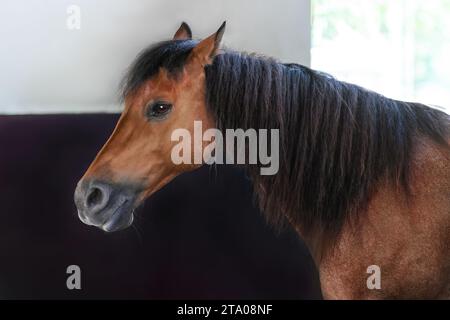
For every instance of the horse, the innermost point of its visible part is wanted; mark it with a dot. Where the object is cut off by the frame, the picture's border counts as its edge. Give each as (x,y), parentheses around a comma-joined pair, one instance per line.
(363,179)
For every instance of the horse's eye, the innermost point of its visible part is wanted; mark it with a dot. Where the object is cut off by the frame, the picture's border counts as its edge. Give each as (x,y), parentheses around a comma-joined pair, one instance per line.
(158,110)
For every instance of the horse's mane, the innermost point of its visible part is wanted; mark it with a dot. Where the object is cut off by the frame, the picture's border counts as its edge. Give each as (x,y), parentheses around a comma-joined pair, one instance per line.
(337,140)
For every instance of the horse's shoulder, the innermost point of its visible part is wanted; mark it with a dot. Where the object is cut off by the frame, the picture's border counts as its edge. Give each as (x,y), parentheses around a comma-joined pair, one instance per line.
(430,169)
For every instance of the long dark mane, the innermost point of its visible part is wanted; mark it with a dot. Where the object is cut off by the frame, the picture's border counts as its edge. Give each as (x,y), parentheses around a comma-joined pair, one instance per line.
(338,141)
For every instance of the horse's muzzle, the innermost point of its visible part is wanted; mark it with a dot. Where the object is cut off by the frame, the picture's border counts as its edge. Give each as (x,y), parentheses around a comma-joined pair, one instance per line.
(105,205)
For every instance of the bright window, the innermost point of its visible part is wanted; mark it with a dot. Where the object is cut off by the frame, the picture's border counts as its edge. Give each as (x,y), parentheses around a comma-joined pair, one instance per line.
(400,48)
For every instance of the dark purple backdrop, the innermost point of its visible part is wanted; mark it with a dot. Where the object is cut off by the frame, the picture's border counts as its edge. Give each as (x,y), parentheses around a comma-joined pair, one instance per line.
(200,237)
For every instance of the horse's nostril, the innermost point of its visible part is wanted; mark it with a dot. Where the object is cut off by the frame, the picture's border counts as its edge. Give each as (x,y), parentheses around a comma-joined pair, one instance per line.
(95,197)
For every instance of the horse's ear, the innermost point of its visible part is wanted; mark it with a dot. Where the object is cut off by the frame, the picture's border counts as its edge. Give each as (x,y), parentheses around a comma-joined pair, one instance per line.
(183,32)
(208,48)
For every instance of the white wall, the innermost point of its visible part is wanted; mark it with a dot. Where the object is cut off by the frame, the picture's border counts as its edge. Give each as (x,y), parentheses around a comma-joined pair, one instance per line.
(45,67)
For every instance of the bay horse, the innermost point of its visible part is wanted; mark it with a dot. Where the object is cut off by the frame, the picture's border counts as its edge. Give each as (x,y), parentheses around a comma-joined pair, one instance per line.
(364,179)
